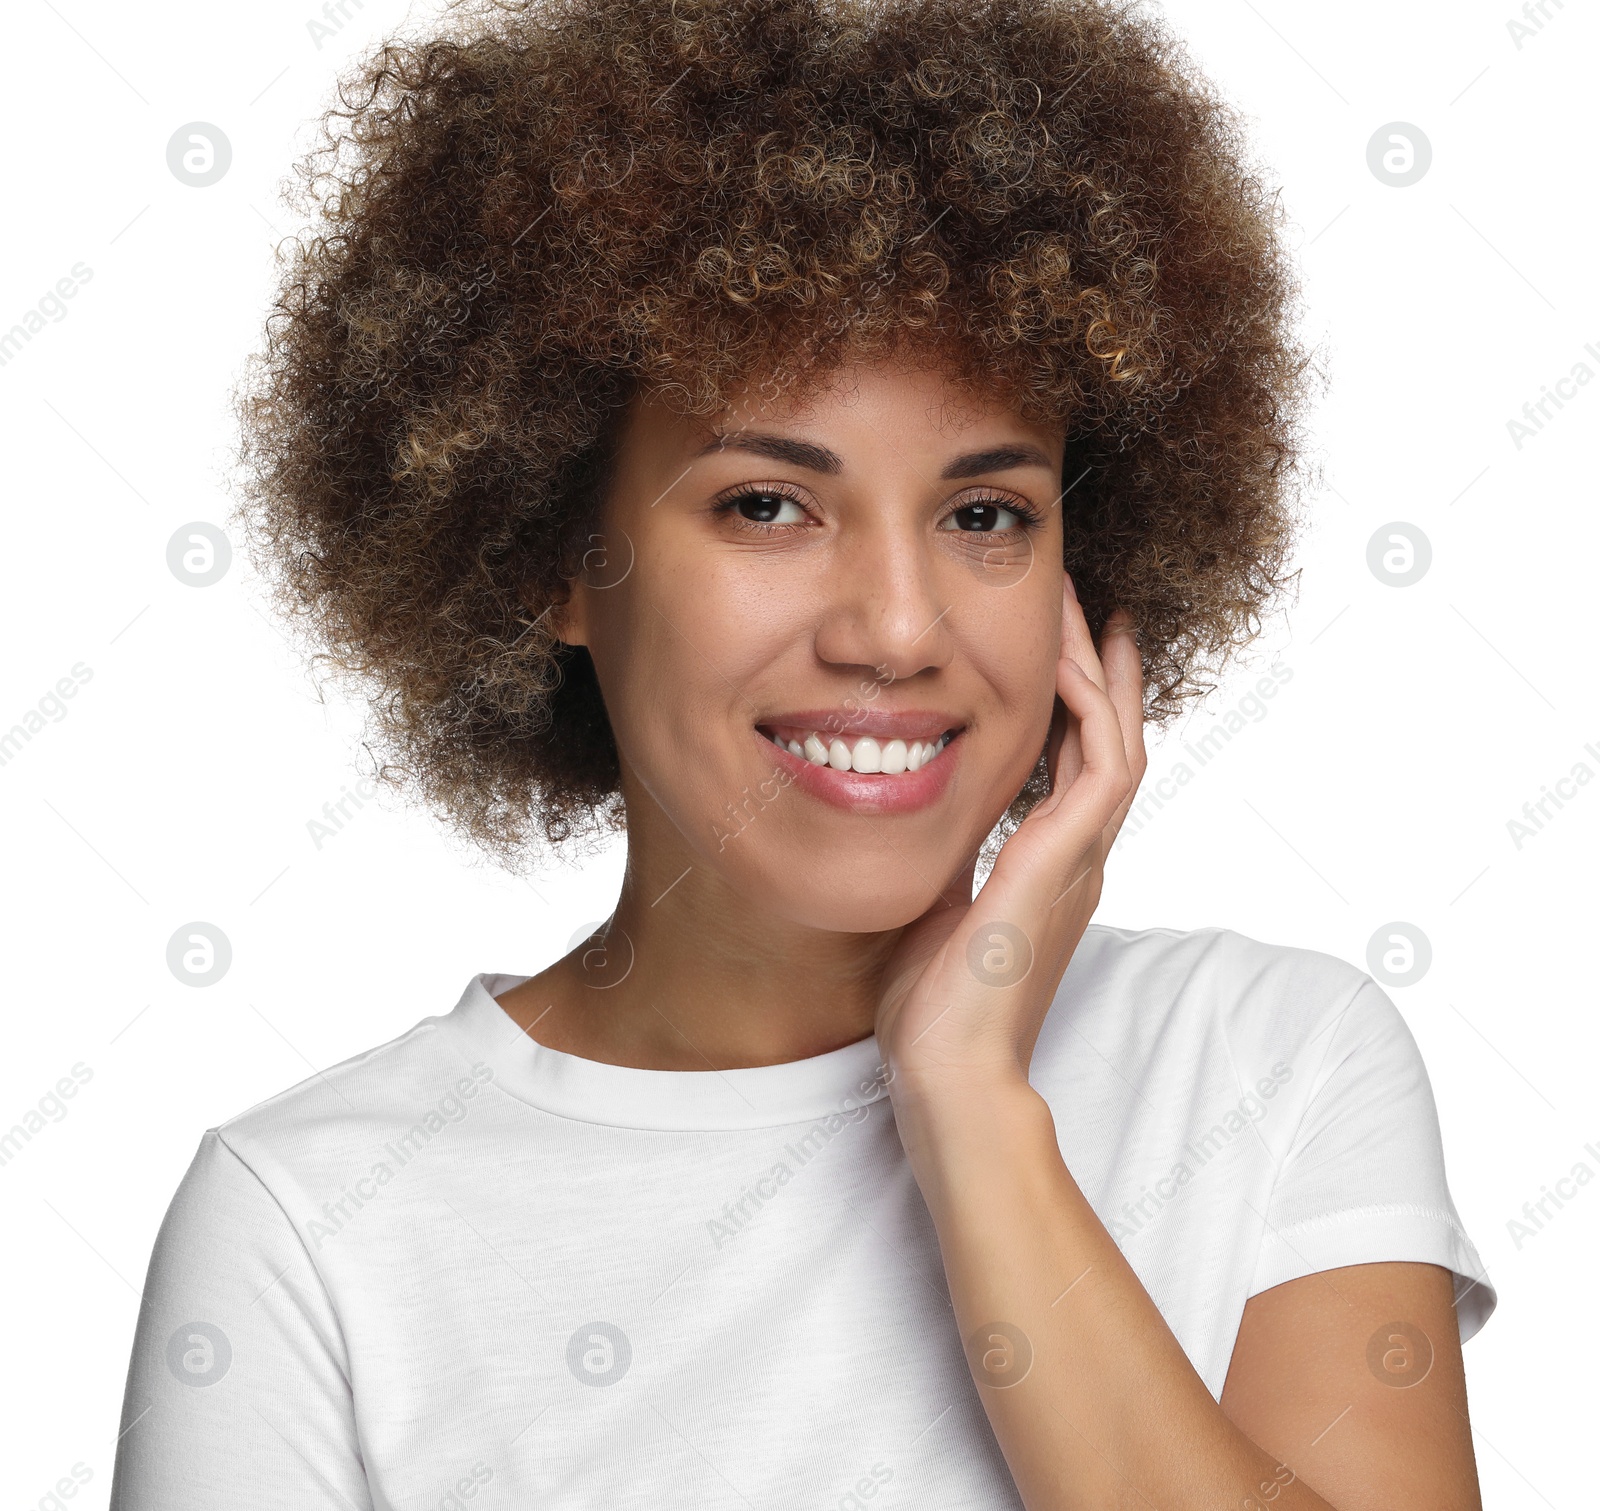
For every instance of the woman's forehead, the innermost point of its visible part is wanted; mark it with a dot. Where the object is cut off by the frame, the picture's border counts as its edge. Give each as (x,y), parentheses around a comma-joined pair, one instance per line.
(924,389)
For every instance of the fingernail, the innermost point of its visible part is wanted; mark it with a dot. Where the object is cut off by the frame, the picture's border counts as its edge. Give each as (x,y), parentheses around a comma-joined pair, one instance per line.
(1070,588)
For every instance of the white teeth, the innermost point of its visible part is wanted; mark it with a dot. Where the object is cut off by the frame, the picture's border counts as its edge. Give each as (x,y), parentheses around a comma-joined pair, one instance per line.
(867,757)
(870,755)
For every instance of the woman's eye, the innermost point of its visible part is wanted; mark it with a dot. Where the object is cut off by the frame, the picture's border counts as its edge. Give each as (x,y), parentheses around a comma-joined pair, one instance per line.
(764,507)
(985,517)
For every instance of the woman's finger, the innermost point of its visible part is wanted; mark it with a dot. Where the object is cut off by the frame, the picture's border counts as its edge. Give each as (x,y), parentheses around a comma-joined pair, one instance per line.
(1059,844)
(1076,641)
(1061,762)
(1105,757)
(1068,823)
(1119,650)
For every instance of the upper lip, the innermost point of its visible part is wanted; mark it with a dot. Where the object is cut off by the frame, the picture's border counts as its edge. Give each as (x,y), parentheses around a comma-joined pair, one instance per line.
(880,723)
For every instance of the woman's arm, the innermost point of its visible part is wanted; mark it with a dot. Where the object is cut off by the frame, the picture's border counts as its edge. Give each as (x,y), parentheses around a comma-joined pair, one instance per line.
(1371,1414)
(238,1393)
(1091,1397)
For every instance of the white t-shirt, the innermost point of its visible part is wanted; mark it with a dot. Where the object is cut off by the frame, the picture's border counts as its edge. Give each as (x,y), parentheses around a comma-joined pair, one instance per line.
(464,1269)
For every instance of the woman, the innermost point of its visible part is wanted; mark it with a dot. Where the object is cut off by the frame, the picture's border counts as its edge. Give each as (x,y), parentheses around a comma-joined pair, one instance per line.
(812,437)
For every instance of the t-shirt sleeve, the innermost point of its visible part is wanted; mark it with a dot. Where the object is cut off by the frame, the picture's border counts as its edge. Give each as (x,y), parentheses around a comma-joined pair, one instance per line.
(238,1391)
(1363,1179)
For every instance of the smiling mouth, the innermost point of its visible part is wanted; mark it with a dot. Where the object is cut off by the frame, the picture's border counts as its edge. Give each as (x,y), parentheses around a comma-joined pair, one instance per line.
(867,755)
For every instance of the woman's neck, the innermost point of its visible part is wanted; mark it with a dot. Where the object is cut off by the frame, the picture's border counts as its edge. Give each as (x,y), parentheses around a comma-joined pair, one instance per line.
(688,976)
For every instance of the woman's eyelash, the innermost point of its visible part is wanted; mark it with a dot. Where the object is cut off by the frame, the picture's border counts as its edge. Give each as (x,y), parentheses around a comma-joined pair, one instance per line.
(1031,517)
(726,506)
(1024,511)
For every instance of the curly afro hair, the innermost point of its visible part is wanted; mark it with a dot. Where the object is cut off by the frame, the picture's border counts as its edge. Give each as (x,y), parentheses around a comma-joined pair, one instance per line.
(539,209)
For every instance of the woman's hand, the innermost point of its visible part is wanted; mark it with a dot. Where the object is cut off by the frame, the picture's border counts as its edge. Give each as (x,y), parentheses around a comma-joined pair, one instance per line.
(968,986)
(1092,1399)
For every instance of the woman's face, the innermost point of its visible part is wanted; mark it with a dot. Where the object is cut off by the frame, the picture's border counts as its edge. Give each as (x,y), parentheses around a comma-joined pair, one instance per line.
(861,576)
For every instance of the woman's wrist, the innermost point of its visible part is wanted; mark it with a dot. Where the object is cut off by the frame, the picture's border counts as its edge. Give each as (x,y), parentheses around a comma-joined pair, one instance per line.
(960,1135)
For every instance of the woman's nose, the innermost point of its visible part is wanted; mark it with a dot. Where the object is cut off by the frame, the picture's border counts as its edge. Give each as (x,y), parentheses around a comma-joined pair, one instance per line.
(885,602)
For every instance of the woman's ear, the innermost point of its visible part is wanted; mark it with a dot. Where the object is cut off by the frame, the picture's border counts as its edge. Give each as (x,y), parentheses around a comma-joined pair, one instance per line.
(564,613)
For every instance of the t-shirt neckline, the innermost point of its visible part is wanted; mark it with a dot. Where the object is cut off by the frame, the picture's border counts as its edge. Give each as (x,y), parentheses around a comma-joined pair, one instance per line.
(626,1096)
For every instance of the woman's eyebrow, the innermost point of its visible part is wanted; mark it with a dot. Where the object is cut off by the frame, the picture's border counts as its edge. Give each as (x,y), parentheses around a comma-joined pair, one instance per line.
(818,458)
(780,448)
(996,459)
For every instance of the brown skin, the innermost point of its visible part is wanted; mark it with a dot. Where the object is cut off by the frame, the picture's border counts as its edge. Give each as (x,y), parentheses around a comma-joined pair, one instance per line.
(1300,1386)
(698,631)
(715,628)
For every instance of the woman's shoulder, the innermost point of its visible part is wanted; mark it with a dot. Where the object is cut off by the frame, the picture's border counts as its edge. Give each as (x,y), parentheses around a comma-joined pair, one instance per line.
(407,1088)
(1211,957)
(1207,1085)
(1166,993)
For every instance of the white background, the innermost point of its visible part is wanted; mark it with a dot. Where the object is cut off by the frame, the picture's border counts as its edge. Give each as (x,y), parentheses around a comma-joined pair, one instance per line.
(179,782)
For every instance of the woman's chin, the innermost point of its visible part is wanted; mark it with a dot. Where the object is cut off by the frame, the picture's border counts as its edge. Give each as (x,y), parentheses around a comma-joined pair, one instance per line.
(846,898)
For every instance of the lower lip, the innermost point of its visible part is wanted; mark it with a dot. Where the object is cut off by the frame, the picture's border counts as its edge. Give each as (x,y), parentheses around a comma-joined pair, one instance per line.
(870,792)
